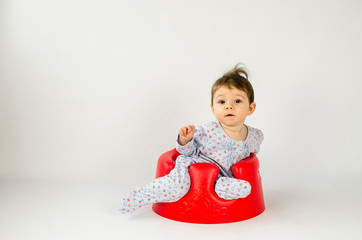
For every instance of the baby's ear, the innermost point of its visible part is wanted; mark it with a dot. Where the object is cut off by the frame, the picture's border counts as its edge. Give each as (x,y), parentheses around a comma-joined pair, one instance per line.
(212,108)
(252,107)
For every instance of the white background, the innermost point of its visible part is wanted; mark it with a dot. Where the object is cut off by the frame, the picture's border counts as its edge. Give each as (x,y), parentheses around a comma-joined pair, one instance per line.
(92,92)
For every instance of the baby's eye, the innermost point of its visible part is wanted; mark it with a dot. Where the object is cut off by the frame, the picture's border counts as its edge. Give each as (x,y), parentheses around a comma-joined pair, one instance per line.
(221,101)
(238,101)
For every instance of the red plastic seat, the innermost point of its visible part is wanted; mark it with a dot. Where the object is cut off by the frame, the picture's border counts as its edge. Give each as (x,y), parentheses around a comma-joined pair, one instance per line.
(201,204)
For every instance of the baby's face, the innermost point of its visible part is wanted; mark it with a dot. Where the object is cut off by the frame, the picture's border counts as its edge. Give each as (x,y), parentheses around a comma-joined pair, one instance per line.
(231,106)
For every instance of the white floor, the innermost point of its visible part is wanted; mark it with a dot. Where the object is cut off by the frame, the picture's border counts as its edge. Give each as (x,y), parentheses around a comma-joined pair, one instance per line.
(327,209)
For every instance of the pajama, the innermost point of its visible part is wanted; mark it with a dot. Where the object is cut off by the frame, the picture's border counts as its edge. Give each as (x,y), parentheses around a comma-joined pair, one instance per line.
(209,144)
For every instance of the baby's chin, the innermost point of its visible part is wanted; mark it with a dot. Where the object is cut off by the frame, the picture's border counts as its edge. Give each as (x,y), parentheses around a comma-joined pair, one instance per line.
(231,122)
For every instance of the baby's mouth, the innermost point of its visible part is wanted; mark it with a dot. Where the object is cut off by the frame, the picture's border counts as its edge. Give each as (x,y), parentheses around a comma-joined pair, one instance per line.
(229,115)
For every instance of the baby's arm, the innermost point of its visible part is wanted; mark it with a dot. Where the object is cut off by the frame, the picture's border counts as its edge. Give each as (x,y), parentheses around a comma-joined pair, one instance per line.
(185,140)
(256,140)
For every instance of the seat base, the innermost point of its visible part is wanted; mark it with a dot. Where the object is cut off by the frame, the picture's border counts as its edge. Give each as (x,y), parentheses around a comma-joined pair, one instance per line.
(202,205)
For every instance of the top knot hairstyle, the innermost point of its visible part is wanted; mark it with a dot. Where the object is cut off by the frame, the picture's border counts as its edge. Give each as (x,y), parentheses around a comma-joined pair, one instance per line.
(235,78)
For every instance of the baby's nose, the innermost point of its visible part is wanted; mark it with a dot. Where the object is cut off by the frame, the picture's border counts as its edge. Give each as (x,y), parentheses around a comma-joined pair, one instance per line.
(229,106)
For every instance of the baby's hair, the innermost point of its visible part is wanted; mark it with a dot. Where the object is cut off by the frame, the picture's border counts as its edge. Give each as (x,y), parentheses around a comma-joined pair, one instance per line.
(235,78)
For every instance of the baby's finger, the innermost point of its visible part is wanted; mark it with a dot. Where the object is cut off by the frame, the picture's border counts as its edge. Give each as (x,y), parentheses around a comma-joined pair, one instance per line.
(184,131)
(181,132)
(193,128)
(189,130)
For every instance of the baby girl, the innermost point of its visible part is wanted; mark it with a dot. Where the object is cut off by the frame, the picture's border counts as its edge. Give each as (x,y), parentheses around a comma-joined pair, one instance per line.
(223,142)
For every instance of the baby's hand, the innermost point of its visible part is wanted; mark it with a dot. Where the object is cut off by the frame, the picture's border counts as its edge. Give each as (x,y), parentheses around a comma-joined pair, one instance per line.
(186,134)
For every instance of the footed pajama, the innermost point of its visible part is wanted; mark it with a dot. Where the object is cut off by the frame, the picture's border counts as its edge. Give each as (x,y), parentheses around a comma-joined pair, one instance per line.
(210,143)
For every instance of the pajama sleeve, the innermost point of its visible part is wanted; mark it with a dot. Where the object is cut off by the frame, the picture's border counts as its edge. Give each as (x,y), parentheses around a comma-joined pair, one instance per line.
(187,149)
(255,141)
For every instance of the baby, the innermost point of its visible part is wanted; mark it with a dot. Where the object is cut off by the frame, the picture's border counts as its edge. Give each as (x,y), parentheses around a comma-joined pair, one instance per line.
(223,142)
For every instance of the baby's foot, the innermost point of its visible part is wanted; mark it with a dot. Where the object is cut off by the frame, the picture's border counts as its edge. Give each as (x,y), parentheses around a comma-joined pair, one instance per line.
(229,189)
(131,202)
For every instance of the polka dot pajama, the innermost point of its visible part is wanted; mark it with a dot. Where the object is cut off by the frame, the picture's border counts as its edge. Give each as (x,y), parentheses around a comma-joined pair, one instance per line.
(210,141)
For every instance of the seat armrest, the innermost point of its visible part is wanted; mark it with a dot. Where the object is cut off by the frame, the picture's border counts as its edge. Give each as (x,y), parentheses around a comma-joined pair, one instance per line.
(166,162)
(247,168)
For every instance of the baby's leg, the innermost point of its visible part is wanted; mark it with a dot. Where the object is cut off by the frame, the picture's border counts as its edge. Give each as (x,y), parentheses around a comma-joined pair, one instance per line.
(169,188)
(232,188)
